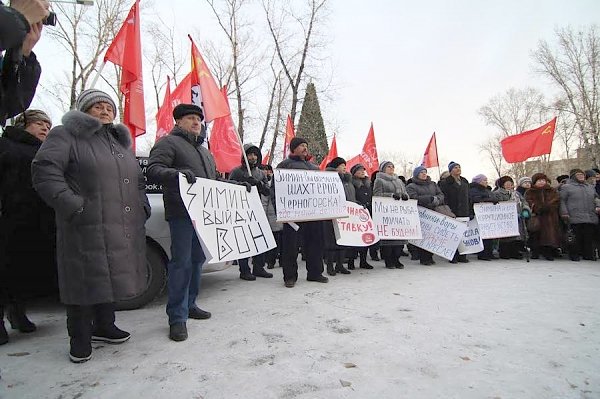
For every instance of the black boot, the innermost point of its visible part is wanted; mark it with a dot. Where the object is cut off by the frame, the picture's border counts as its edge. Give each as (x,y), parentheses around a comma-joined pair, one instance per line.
(104,325)
(3,333)
(330,269)
(351,264)
(18,319)
(339,268)
(260,272)
(79,326)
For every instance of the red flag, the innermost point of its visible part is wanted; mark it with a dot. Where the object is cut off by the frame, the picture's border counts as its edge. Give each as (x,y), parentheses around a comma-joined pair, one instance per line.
(368,157)
(267,158)
(224,143)
(164,116)
(289,135)
(532,143)
(430,157)
(126,51)
(183,92)
(333,153)
(205,92)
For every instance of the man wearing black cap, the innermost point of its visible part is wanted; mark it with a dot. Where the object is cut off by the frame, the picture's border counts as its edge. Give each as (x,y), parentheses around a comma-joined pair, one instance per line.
(312,232)
(456,194)
(181,151)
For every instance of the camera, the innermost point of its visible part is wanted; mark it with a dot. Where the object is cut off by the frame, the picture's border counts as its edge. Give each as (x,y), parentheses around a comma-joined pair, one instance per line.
(50,19)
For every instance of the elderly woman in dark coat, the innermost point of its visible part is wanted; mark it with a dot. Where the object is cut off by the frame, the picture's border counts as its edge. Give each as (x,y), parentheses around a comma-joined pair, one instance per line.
(544,233)
(428,195)
(510,248)
(26,223)
(387,184)
(364,197)
(480,192)
(87,172)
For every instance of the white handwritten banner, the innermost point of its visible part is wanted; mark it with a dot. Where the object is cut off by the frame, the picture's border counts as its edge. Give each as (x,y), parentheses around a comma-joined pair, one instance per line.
(229,221)
(303,195)
(471,242)
(441,234)
(396,220)
(357,230)
(497,221)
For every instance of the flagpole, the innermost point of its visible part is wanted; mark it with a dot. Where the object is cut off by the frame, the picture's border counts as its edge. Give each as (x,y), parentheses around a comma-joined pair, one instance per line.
(97,75)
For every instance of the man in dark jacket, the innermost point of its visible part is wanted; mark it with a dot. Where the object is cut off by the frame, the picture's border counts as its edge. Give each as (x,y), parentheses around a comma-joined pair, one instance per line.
(27,228)
(181,151)
(364,197)
(456,195)
(20,30)
(258,179)
(312,232)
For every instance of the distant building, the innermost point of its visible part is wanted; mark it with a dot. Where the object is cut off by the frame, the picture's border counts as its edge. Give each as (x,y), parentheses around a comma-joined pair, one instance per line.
(558,167)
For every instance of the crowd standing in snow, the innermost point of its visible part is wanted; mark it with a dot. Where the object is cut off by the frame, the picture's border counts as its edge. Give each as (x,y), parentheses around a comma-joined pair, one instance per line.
(76,196)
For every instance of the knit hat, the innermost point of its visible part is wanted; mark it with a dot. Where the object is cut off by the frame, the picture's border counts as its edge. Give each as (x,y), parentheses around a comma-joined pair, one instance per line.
(590,173)
(384,164)
(356,168)
(30,116)
(479,178)
(88,98)
(574,171)
(522,180)
(501,181)
(295,142)
(562,178)
(182,110)
(335,162)
(418,170)
(452,165)
(539,176)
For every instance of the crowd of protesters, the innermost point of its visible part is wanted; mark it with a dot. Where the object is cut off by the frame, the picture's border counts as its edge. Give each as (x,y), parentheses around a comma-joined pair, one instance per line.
(74,207)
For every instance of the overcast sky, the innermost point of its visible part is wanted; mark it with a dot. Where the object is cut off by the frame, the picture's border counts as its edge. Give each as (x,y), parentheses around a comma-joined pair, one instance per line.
(413,68)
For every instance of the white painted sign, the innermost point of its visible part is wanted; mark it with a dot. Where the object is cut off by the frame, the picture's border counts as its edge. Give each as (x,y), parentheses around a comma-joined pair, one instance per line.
(303,195)
(357,230)
(229,221)
(441,233)
(471,242)
(396,220)
(497,221)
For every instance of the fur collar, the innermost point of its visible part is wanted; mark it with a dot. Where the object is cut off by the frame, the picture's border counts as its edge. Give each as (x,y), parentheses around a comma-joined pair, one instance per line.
(82,125)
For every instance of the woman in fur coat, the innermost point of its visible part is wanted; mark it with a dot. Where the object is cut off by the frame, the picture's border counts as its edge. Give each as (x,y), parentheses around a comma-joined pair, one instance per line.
(544,233)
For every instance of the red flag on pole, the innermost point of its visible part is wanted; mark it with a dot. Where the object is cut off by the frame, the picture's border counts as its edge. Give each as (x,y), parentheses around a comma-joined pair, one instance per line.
(289,135)
(430,157)
(205,92)
(333,153)
(126,51)
(368,157)
(224,144)
(183,92)
(267,158)
(532,143)
(164,116)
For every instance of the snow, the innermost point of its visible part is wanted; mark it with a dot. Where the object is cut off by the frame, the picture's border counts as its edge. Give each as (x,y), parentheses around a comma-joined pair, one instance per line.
(501,329)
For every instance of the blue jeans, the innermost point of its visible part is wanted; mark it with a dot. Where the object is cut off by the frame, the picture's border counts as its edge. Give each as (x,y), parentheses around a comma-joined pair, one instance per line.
(184,269)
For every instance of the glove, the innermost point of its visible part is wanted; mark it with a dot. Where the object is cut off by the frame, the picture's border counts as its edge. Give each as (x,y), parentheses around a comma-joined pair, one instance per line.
(248,186)
(405,197)
(396,197)
(189,175)
(264,190)
(435,201)
(495,202)
(525,214)
(252,181)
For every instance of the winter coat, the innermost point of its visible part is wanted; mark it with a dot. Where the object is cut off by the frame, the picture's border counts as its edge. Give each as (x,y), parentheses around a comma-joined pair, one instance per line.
(27,227)
(88,174)
(577,200)
(544,203)
(346,179)
(363,192)
(426,192)
(270,211)
(456,195)
(177,151)
(294,162)
(479,193)
(386,186)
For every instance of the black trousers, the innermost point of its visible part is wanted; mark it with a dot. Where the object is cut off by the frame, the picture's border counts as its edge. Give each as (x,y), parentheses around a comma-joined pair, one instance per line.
(584,241)
(425,256)
(271,255)
(312,242)
(83,320)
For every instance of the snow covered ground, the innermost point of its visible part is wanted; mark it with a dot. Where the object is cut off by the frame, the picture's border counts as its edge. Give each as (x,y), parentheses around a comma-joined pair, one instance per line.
(502,329)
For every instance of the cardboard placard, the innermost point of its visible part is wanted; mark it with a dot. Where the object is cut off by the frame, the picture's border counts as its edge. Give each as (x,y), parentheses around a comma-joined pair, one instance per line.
(357,230)
(441,233)
(471,242)
(396,220)
(497,221)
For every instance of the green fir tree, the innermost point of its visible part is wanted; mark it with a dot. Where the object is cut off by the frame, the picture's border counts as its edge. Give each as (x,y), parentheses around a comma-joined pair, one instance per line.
(311,126)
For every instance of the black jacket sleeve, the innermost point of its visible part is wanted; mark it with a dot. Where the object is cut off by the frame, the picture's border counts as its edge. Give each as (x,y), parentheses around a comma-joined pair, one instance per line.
(13,28)
(19,80)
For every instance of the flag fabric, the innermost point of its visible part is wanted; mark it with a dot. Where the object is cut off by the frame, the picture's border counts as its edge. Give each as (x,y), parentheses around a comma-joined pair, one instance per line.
(368,157)
(267,158)
(532,143)
(205,92)
(333,153)
(126,51)
(183,92)
(224,142)
(164,116)
(430,157)
(289,135)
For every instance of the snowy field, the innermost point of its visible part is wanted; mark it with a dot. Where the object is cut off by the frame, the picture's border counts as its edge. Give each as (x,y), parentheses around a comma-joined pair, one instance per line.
(502,329)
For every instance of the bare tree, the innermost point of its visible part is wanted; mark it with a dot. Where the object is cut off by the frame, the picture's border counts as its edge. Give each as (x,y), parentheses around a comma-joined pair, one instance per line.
(491,147)
(573,65)
(85,33)
(267,118)
(293,59)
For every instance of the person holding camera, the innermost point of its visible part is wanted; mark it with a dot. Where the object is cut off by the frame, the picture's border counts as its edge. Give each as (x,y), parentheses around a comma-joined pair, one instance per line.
(20,30)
